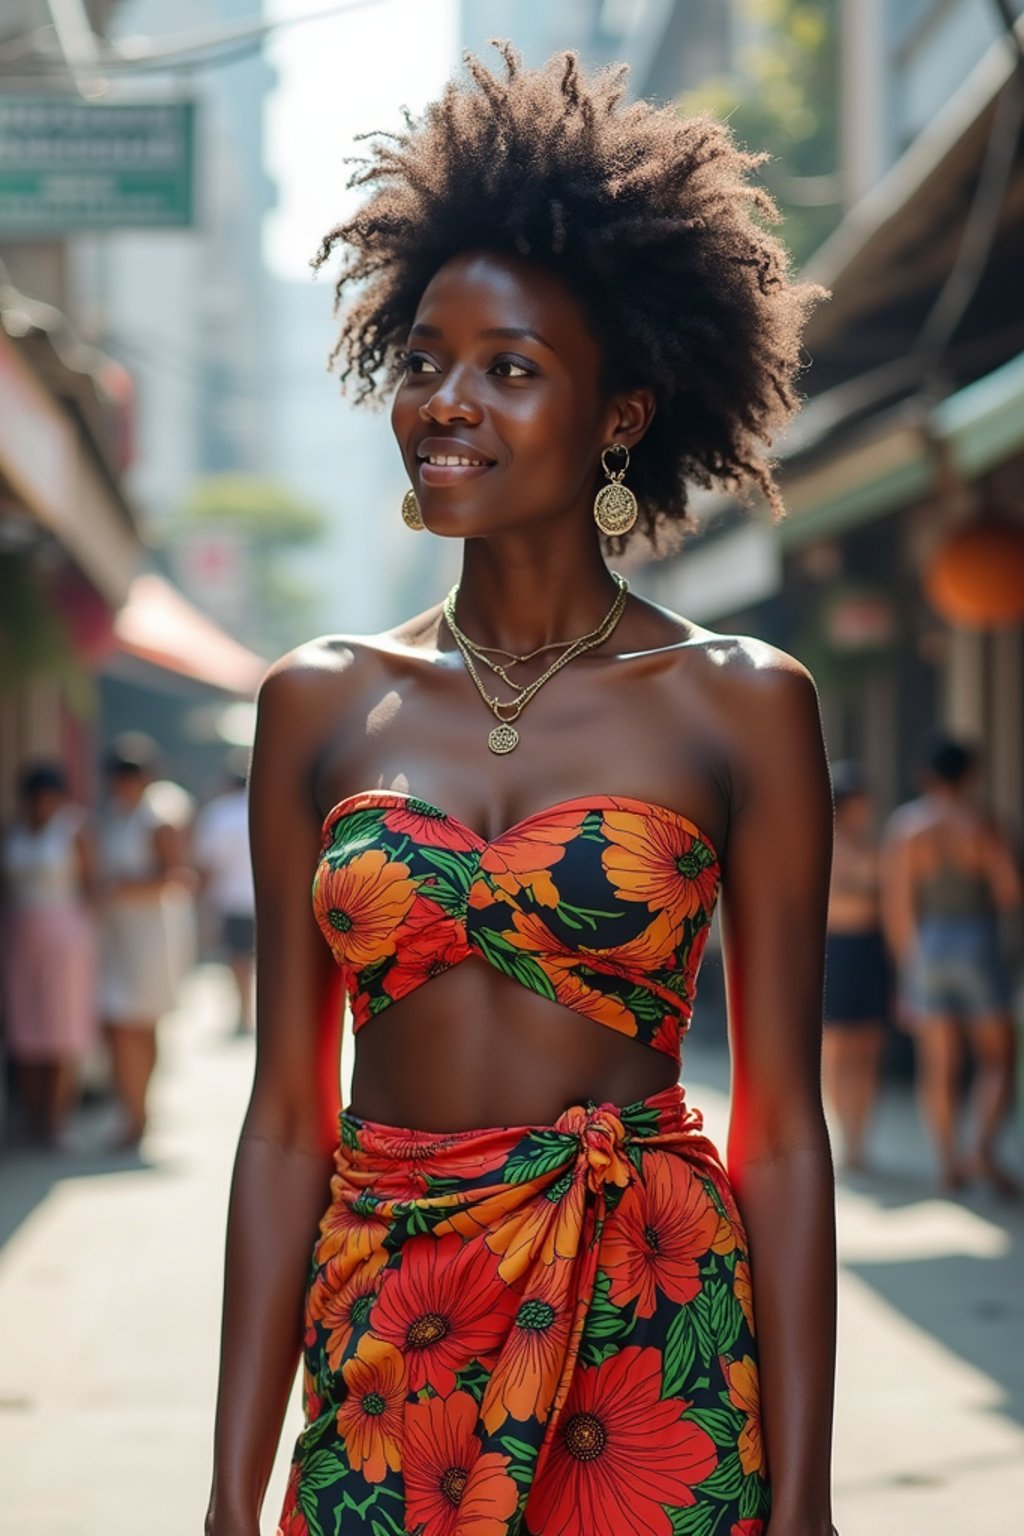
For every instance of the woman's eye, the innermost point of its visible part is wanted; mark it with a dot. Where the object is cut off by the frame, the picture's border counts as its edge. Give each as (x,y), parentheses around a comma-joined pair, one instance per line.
(416,363)
(512,368)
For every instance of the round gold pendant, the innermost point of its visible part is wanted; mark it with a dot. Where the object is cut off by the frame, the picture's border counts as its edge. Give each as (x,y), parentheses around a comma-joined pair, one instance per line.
(503,738)
(615,509)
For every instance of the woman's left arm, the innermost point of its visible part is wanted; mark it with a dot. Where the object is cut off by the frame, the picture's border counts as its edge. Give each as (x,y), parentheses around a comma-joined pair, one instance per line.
(774,902)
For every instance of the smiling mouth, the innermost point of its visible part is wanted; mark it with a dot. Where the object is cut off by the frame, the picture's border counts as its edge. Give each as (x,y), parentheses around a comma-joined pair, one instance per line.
(452,459)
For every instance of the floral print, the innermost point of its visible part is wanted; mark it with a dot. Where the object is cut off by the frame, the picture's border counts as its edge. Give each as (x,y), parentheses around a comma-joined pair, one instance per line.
(528,1330)
(544,1342)
(602,904)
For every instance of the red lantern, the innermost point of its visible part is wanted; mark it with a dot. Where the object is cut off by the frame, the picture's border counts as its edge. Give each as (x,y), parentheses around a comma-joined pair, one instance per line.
(975,580)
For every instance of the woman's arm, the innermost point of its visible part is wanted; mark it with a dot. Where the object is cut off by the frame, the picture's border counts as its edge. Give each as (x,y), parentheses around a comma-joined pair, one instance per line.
(281,1181)
(775,894)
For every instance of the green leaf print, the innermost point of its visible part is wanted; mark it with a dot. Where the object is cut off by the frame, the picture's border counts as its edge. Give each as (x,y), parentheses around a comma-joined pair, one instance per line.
(512,962)
(699,1310)
(722,1424)
(383,1525)
(353,833)
(604,1319)
(322,1469)
(680,1353)
(540,1154)
(753,1499)
(698,1520)
(458,870)
(725,1317)
(726,1480)
(640,1120)
(307,1503)
(644,1005)
(473,1380)
(522,1459)
(582,917)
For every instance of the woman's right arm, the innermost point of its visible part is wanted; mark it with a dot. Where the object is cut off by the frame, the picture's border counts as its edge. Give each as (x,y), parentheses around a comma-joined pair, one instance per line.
(280,1186)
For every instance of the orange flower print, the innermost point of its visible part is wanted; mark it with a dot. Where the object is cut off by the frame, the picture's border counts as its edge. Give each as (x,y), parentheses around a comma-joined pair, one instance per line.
(427,826)
(541,1230)
(443,1310)
(453,1487)
(431,942)
(655,859)
(370,1418)
(526,1377)
(342,1308)
(293,1521)
(620,1453)
(532,935)
(360,905)
(663,1225)
(743,1290)
(350,1227)
(520,860)
(745,1394)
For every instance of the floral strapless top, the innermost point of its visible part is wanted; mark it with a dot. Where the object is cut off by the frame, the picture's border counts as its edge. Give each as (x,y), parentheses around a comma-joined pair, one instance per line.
(602,904)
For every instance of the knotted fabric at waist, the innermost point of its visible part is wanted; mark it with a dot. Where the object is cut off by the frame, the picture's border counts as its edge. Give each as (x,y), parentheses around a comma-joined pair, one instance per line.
(476,1180)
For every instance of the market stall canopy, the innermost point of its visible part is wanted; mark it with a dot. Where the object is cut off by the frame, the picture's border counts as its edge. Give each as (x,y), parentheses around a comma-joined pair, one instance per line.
(159,625)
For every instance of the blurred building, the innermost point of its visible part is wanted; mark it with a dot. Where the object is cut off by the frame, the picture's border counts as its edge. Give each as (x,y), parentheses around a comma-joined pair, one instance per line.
(898,575)
(88,427)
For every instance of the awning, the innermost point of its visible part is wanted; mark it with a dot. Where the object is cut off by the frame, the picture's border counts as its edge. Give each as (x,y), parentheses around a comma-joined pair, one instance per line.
(159,625)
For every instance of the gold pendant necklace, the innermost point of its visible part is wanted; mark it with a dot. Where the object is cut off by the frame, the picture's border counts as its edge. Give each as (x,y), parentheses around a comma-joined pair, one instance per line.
(504,737)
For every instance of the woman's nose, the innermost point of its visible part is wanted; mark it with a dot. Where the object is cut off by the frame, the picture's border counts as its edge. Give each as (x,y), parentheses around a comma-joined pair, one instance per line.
(451,401)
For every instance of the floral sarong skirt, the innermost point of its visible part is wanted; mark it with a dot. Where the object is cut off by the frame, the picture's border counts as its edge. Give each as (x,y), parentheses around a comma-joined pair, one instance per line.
(535,1330)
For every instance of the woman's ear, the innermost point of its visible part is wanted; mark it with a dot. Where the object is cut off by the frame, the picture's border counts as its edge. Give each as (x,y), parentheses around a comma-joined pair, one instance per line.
(630,414)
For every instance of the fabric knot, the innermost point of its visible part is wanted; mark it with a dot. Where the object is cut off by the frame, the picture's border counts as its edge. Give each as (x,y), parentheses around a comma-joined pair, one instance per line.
(602,1141)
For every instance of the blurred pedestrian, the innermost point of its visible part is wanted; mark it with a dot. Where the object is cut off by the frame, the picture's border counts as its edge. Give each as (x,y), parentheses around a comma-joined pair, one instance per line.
(220,851)
(949,874)
(140,856)
(49,949)
(856,965)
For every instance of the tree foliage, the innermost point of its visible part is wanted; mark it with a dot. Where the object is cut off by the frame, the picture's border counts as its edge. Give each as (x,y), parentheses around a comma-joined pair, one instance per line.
(783,96)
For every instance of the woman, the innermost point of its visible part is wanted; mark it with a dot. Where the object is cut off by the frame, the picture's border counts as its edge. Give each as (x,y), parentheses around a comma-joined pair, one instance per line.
(950,875)
(49,974)
(856,971)
(530,1305)
(140,859)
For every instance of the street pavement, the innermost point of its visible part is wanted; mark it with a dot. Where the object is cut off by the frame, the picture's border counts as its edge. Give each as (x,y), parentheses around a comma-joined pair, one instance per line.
(110,1296)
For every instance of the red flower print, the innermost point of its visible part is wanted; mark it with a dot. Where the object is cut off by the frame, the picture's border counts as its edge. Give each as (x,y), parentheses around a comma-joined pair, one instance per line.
(432,942)
(656,859)
(520,860)
(745,1394)
(444,1307)
(342,1308)
(361,904)
(293,1520)
(312,1402)
(653,1241)
(452,1488)
(744,1291)
(370,1418)
(620,1452)
(747,1528)
(526,1377)
(428,827)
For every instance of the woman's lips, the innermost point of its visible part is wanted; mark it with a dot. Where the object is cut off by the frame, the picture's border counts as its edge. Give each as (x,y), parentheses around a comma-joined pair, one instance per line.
(450,474)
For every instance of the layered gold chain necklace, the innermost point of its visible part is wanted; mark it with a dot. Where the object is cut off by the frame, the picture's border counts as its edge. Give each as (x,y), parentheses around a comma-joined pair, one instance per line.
(504,737)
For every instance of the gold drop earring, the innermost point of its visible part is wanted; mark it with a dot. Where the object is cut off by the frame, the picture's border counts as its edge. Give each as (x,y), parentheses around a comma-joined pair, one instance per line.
(615,506)
(412,517)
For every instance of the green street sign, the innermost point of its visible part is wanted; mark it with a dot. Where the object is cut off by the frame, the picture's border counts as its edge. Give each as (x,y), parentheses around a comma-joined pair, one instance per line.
(67,165)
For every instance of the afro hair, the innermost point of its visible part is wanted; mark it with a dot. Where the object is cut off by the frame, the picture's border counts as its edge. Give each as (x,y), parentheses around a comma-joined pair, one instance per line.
(651,221)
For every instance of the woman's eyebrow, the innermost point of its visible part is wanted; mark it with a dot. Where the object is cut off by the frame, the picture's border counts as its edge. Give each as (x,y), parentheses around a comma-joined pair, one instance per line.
(496,332)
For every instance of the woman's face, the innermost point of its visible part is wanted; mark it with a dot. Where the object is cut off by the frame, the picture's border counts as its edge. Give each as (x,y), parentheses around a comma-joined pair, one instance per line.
(500,417)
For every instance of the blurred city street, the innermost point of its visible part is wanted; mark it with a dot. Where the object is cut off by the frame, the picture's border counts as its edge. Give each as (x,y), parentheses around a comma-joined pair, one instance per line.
(109,1291)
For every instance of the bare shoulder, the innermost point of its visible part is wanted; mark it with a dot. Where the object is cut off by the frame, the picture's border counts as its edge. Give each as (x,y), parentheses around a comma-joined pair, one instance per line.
(333,664)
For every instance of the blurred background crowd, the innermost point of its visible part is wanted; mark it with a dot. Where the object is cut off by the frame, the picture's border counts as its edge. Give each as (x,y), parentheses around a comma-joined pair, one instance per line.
(184,494)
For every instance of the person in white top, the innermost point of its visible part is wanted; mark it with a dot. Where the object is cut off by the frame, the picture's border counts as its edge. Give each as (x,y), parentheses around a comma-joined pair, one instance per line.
(49,951)
(141,856)
(220,850)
